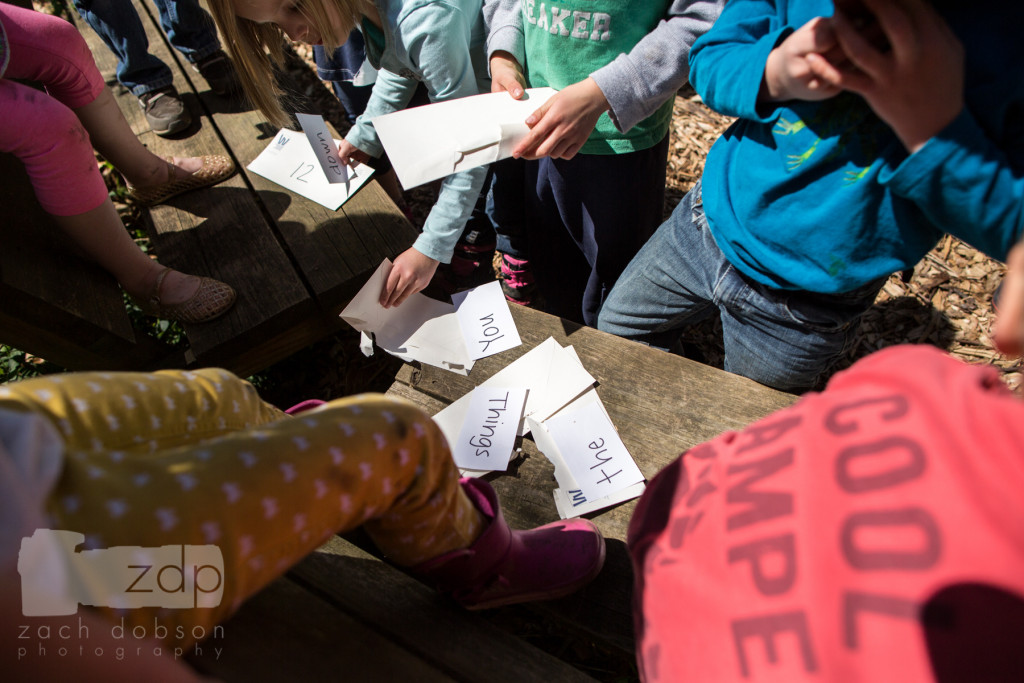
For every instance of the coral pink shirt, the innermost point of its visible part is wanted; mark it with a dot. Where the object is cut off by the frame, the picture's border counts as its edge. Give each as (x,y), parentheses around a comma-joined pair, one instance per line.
(874,531)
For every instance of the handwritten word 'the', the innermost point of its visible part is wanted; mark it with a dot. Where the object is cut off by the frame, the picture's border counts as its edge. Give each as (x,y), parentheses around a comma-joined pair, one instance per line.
(600,450)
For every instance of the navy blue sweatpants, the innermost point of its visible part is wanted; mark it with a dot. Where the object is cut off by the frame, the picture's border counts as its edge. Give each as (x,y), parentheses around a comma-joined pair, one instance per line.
(579,221)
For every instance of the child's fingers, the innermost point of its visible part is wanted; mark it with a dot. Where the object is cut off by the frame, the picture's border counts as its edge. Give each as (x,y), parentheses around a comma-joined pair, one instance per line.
(388,294)
(506,81)
(861,52)
(538,132)
(899,21)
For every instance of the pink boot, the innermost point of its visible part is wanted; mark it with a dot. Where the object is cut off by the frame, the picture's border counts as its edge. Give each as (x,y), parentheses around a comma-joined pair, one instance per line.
(303,406)
(504,566)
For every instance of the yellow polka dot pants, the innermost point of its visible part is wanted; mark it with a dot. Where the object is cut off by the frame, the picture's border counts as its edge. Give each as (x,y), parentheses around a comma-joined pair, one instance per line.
(197,458)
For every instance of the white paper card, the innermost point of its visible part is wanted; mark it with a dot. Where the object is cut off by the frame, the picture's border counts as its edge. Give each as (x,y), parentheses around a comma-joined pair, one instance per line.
(488,434)
(594,454)
(573,503)
(487,324)
(290,162)
(552,375)
(420,329)
(324,147)
(435,140)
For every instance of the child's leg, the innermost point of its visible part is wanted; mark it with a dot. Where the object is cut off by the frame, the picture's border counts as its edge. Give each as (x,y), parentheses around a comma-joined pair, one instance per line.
(592,215)
(671,283)
(49,139)
(189,28)
(789,340)
(50,50)
(121,29)
(197,458)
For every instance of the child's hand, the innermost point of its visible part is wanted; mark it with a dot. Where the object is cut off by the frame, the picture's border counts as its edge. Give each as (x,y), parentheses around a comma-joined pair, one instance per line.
(1009,327)
(787,72)
(411,273)
(349,153)
(560,127)
(916,86)
(507,75)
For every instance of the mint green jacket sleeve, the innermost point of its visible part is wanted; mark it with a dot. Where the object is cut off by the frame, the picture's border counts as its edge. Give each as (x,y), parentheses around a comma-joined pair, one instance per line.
(430,43)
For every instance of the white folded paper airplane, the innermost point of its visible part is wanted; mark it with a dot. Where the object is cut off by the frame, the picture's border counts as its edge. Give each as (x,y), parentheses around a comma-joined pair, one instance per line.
(435,140)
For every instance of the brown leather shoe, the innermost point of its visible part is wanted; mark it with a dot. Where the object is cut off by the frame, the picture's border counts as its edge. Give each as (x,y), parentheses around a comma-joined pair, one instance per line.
(215,168)
(212,300)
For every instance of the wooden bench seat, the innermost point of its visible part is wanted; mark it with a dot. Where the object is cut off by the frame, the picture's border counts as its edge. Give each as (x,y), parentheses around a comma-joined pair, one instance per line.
(660,403)
(294,263)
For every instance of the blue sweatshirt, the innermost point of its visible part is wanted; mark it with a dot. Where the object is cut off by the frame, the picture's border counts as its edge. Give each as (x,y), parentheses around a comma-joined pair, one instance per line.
(822,196)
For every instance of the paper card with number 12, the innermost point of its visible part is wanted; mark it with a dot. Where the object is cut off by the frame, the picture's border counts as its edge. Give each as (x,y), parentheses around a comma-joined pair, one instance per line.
(289,161)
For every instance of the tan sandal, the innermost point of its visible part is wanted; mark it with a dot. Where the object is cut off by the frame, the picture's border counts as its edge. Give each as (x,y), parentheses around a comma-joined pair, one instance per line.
(212,299)
(215,168)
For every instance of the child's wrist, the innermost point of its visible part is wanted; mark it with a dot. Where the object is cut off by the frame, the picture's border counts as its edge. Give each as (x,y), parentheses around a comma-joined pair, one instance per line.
(772,89)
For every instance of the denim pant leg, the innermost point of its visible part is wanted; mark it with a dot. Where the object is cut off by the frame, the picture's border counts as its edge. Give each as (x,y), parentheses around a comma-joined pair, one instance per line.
(785,339)
(119,26)
(670,283)
(189,28)
(339,68)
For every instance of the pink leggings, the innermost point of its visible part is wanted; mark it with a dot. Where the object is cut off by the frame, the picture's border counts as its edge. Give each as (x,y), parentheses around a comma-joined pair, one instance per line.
(41,129)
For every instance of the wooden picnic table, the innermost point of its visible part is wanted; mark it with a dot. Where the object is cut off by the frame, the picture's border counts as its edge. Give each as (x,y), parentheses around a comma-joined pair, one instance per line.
(294,263)
(660,403)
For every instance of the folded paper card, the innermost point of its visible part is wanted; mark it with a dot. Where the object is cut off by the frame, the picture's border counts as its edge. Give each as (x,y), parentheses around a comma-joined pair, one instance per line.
(324,147)
(592,450)
(553,376)
(592,466)
(435,140)
(487,324)
(420,329)
(488,433)
(289,161)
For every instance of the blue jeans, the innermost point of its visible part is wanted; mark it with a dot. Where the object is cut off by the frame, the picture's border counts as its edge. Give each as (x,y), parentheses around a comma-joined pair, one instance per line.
(189,29)
(339,68)
(787,339)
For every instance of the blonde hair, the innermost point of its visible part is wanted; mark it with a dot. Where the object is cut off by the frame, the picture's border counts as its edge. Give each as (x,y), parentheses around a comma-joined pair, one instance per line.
(258,49)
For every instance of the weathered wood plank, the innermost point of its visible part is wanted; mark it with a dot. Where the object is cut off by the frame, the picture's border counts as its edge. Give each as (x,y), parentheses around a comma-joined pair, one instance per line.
(285,633)
(57,303)
(661,404)
(220,231)
(336,251)
(416,617)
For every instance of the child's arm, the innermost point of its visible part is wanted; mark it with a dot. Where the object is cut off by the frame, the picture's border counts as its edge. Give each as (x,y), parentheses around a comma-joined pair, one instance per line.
(437,39)
(916,85)
(505,45)
(968,180)
(729,63)
(630,88)
(390,93)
